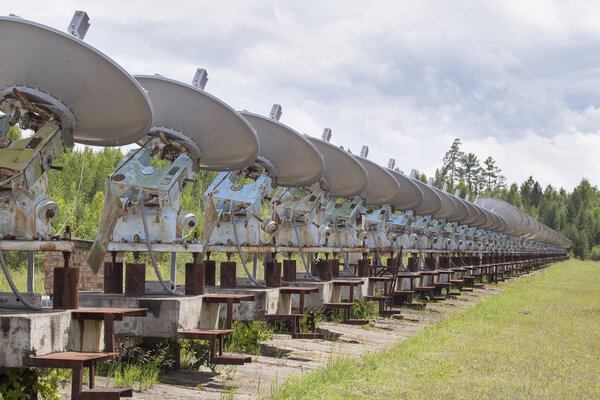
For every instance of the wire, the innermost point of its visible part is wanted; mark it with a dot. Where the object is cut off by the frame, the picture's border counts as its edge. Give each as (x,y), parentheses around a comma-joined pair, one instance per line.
(304,262)
(148,241)
(237,242)
(379,262)
(76,193)
(14,287)
(346,265)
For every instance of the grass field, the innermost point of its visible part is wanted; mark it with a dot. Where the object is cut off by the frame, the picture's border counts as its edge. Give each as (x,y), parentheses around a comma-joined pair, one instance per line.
(538,339)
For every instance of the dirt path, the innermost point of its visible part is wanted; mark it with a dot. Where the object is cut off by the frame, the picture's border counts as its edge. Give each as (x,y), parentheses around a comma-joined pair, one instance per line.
(281,356)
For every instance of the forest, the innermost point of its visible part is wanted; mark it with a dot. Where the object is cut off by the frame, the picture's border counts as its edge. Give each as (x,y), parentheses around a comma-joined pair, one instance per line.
(78,189)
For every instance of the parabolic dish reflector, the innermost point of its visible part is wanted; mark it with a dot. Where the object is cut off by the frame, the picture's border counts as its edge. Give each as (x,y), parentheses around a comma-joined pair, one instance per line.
(448,206)
(431,200)
(108,106)
(461,211)
(383,187)
(481,217)
(345,174)
(489,220)
(410,194)
(508,212)
(297,160)
(217,136)
(472,214)
(503,224)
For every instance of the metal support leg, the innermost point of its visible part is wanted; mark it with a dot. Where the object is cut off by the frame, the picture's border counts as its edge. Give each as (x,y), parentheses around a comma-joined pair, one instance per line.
(30,272)
(173,270)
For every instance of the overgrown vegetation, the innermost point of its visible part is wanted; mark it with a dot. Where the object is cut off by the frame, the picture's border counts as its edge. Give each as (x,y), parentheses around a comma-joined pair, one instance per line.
(46,382)
(538,339)
(247,336)
(138,365)
(361,309)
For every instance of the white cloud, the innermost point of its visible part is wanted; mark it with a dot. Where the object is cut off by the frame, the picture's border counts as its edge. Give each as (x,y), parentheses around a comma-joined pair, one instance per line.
(516,80)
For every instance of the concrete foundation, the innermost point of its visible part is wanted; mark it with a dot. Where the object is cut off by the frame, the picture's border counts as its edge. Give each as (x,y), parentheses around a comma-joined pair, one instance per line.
(8,299)
(327,292)
(24,333)
(266,301)
(166,314)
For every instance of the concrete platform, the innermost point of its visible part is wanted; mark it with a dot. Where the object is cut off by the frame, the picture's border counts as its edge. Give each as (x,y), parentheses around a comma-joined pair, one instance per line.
(266,301)
(166,314)
(24,333)
(327,291)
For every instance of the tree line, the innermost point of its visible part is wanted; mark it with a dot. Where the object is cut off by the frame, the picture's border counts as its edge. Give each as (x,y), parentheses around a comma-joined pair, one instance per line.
(576,215)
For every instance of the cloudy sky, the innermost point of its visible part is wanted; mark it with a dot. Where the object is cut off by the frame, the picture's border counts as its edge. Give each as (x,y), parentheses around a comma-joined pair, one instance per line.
(517,80)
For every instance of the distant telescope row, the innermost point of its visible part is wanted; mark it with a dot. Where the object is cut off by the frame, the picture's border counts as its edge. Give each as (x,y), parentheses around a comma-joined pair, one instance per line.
(101,104)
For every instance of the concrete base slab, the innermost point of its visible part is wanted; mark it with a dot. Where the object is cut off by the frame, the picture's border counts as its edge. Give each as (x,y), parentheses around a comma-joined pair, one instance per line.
(8,299)
(24,333)
(166,314)
(328,292)
(266,301)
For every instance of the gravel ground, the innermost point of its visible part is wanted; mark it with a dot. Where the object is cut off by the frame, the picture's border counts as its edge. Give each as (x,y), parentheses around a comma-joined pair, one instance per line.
(282,356)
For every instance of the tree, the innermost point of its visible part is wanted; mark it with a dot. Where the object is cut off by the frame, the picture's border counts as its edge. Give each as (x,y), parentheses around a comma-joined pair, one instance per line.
(469,171)
(451,161)
(513,196)
(494,180)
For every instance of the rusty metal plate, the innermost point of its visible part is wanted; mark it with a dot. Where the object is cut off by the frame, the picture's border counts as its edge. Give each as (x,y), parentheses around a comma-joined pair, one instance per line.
(345,175)
(410,194)
(110,107)
(383,187)
(298,161)
(431,200)
(216,135)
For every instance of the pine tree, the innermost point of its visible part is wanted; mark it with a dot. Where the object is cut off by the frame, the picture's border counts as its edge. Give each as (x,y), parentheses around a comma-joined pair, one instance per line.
(451,162)
(469,171)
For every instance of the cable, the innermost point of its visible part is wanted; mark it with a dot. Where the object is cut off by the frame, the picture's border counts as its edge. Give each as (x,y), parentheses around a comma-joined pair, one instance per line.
(376,248)
(346,265)
(237,242)
(146,232)
(301,250)
(14,287)
(76,193)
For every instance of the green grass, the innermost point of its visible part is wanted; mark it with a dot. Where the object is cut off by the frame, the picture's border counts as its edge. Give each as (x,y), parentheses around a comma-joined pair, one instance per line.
(538,339)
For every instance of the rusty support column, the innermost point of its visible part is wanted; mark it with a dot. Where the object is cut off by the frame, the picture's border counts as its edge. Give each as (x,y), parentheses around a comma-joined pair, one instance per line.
(113,277)
(413,263)
(289,270)
(66,286)
(430,262)
(135,280)
(210,273)
(273,274)
(322,270)
(335,267)
(194,279)
(364,267)
(228,275)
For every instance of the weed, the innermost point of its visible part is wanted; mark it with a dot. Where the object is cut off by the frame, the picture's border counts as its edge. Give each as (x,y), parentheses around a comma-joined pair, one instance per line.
(139,376)
(364,309)
(196,353)
(247,336)
(228,393)
(45,382)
